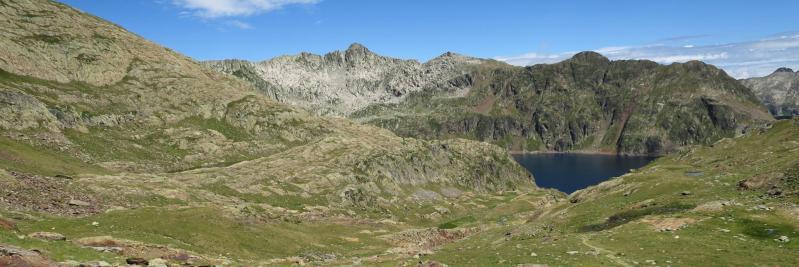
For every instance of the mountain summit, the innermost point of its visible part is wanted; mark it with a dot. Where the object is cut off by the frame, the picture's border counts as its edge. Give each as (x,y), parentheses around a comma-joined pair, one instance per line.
(779,91)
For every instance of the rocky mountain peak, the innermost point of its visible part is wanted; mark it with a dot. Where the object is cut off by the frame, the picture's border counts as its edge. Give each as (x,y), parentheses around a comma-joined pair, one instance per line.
(357,47)
(454,58)
(357,51)
(589,57)
(784,69)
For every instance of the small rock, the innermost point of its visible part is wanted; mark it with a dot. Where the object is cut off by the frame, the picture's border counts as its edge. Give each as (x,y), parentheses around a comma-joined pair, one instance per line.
(95,264)
(48,236)
(62,176)
(158,262)
(762,207)
(783,239)
(69,263)
(572,252)
(81,203)
(531,265)
(95,224)
(429,264)
(532,254)
(724,230)
(442,210)
(108,249)
(137,261)
(686,193)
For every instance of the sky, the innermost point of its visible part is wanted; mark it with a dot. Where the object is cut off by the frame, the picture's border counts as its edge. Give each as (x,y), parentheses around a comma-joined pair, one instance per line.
(745,38)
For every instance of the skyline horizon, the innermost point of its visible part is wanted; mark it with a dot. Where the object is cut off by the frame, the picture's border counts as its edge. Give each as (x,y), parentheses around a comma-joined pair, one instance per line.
(744,39)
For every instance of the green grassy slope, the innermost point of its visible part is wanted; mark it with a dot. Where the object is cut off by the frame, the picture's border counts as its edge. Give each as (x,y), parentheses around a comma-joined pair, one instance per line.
(724,205)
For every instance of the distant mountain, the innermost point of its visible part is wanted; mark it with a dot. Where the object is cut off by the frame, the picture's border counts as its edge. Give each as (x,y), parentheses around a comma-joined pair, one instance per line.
(342,82)
(586,103)
(779,91)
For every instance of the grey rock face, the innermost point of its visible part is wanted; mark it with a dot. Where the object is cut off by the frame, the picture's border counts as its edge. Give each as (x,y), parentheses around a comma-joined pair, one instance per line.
(779,91)
(342,82)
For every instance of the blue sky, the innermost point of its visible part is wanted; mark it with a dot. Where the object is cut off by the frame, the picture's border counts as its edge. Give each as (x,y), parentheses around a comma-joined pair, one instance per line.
(746,38)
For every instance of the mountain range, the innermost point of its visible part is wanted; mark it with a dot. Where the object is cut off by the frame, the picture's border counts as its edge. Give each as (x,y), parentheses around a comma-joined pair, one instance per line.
(586,103)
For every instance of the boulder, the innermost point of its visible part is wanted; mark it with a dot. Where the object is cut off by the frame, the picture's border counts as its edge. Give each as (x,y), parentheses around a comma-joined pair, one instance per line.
(430,264)
(48,236)
(158,262)
(137,261)
(14,256)
(81,203)
(95,264)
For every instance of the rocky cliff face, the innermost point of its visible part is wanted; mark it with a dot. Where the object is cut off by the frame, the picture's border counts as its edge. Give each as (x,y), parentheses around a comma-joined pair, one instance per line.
(586,103)
(779,91)
(343,82)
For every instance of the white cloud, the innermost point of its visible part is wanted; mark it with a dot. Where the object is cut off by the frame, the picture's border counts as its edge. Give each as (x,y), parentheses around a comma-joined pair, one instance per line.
(740,60)
(239,24)
(232,8)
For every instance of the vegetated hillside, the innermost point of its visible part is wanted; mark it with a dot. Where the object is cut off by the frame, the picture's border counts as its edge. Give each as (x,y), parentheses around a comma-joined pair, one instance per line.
(587,103)
(127,147)
(779,91)
(735,203)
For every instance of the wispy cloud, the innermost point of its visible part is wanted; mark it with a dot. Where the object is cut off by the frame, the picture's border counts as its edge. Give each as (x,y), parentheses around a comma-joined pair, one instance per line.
(239,24)
(740,60)
(234,8)
(683,38)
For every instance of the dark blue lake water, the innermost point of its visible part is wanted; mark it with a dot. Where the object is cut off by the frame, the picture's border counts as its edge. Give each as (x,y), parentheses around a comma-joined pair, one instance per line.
(569,172)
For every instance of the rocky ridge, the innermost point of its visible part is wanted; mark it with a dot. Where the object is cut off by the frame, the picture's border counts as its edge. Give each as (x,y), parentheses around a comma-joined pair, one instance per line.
(342,82)
(779,91)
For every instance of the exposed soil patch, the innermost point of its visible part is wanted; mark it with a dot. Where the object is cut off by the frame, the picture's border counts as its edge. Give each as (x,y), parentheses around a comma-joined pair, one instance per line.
(420,240)
(669,224)
(486,104)
(46,194)
(6,224)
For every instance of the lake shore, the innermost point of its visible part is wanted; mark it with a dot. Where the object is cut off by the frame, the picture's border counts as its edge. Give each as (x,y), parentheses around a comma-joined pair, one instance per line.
(582,152)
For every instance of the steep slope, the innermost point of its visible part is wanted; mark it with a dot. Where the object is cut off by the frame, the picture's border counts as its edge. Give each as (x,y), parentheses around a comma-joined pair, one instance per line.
(341,82)
(733,204)
(779,91)
(105,133)
(586,103)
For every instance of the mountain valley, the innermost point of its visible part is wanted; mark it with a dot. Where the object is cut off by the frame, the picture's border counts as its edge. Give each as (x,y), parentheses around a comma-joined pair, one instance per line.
(116,151)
